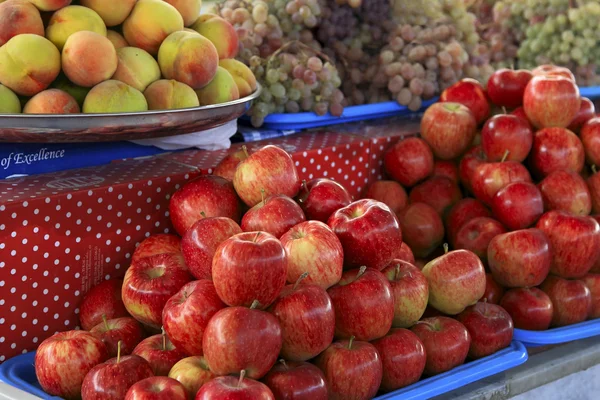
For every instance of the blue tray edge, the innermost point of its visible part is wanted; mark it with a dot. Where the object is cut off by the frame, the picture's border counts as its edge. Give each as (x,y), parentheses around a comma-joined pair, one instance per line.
(563,334)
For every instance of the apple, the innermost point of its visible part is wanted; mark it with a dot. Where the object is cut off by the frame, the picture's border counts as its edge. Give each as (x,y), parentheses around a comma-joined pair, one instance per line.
(468,163)
(363,303)
(551,101)
(405,254)
(104,299)
(587,111)
(390,193)
(63,360)
(192,373)
(574,240)
(410,292)
(369,232)
(590,137)
(556,149)
(422,228)
(553,70)
(409,161)
(305,314)
(149,283)
(503,133)
(296,380)
(200,242)
(249,266)
(447,169)
(446,343)
(572,300)
(125,330)
(234,388)
(518,205)
(319,198)
(352,369)
(469,93)
(449,129)
(204,196)
(489,178)
(493,291)
(593,183)
(113,378)
(155,388)
(592,281)
(566,191)
(226,167)
(462,212)
(506,87)
(275,214)
(270,169)
(187,313)
(447,194)
(530,308)
(161,243)
(476,234)
(490,327)
(456,280)
(313,248)
(520,113)
(160,353)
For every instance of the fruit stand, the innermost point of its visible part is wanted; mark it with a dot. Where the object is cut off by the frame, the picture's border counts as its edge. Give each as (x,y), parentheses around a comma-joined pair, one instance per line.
(298,199)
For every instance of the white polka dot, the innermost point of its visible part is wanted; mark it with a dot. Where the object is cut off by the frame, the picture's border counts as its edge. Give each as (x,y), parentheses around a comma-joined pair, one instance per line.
(56,316)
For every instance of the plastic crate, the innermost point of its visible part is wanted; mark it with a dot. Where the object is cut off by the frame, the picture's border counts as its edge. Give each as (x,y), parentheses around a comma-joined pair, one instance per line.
(563,334)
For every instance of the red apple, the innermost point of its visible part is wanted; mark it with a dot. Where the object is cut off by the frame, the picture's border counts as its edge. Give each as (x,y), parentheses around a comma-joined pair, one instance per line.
(240,338)
(593,183)
(296,380)
(156,388)
(104,299)
(113,378)
(518,205)
(566,191)
(234,388)
(476,235)
(553,70)
(210,195)
(403,357)
(369,232)
(507,86)
(493,291)
(410,291)
(489,178)
(125,330)
(275,214)
(572,300)
(352,369)
(446,343)
(520,113)
(422,228)
(556,149)
(161,243)
(587,111)
(247,267)
(409,161)
(530,308)
(590,137)
(63,360)
(319,198)
(390,193)
(192,373)
(468,163)
(490,326)
(574,240)
(596,267)
(592,281)
(456,280)
(305,314)
(462,212)
(447,169)
(313,248)
(270,169)
(226,167)
(551,101)
(149,283)
(449,128)
(469,93)
(405,254)
(363,304)
(506,133)
(187,313)
(160,353)
(447,194)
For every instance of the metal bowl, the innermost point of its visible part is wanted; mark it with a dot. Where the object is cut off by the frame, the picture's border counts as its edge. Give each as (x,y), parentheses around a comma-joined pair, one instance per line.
(62,128)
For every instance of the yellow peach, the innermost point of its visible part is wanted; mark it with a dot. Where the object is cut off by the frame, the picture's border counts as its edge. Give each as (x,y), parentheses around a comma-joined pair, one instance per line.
(116,39)
(71,19)
(88,58)
(220,90)
(17,17)
(220,32)
(64,84)
(112,12)
(50,5)
(189,9)
(242,75)
(52,101)
(169,95)
(114,97)
(9,101)
(137,68)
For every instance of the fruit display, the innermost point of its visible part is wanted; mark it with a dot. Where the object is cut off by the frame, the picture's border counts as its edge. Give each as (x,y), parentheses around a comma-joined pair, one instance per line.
(62,58)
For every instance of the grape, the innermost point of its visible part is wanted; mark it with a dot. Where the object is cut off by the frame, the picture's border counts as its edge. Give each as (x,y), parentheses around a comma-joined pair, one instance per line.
(315,64)
(277,90)
(404,97)
(415,104)
(321,108)
(396,84)
(416,86)
(336,109)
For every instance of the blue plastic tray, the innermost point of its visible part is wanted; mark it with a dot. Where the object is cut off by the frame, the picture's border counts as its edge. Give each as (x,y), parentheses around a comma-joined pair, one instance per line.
(591,92)
(558,335)
(20,373)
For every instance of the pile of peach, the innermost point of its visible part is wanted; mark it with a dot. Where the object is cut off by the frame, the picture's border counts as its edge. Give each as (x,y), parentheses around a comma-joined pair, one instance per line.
(123,56)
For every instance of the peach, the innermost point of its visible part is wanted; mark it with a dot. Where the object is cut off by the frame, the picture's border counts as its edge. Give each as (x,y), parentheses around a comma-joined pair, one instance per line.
(116,39)
(64,84)
(114,97)
(112,12)
(9,101)
(88,58)
(19,16)
(50,5)
(28,64)
(220,32)
(71,19)
(242,75)
(188,58)
(137,68)
(150,22)
(51,101)
(220,90)
(169,95)
(189,9)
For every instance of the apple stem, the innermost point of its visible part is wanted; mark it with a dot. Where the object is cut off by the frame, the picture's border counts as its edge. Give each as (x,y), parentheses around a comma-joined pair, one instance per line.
(505,156)
(262,195)
(300,278)
(504,110)
(282,361)
(256,237)
(304,185)
(164,339)
(255,304)
(594,170)
(118,351)
(105,322)
(245,150)
(350,342)
(242,375)
(446,248)
(426,323)
(361,271)
(203,214)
